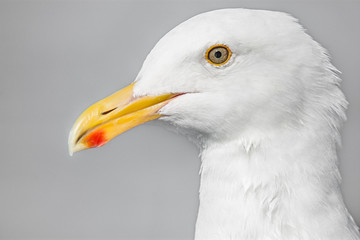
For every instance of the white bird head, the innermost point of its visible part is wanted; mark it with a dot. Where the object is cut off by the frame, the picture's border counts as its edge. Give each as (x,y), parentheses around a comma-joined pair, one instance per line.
(223,74)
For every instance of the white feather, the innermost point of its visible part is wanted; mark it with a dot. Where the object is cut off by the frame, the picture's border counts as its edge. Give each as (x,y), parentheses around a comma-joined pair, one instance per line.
(267,123)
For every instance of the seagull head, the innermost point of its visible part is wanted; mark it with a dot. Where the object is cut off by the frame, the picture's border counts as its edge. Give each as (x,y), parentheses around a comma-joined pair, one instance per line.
(221,75)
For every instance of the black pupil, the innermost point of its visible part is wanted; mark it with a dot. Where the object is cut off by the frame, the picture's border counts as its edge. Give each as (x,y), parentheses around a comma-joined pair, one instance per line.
(218,54)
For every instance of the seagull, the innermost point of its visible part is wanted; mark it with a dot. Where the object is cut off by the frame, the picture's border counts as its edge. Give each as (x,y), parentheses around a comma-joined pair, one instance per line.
(262,101)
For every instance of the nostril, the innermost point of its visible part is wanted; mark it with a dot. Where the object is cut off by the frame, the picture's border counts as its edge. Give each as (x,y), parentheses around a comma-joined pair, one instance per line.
(108,111)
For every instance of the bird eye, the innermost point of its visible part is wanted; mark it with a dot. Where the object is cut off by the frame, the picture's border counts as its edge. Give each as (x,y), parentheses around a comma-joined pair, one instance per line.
(218,54)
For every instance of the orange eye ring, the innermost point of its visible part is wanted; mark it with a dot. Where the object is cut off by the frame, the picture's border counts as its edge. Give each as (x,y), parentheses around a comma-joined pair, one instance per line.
(218,54)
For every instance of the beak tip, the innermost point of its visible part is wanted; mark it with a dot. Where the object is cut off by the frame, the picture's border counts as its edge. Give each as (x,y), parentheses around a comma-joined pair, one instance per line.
(71,143)
(75,148)
(71,152)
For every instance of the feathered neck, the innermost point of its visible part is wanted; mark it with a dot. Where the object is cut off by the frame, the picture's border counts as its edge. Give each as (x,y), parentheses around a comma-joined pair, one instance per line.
(285,187)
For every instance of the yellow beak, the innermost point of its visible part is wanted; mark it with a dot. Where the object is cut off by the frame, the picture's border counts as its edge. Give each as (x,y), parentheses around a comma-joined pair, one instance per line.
(112,116)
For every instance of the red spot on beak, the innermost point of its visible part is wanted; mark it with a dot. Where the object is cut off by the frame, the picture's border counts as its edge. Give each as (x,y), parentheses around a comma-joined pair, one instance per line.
(96,139)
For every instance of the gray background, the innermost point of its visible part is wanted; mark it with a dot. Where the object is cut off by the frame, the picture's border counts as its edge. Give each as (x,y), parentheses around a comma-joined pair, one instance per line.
(58,58)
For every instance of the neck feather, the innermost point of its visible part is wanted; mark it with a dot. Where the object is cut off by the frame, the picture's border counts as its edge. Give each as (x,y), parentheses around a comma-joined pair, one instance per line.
(285,187)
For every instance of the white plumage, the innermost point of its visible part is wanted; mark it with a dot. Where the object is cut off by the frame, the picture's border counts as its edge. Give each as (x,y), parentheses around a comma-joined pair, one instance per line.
(267,123)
